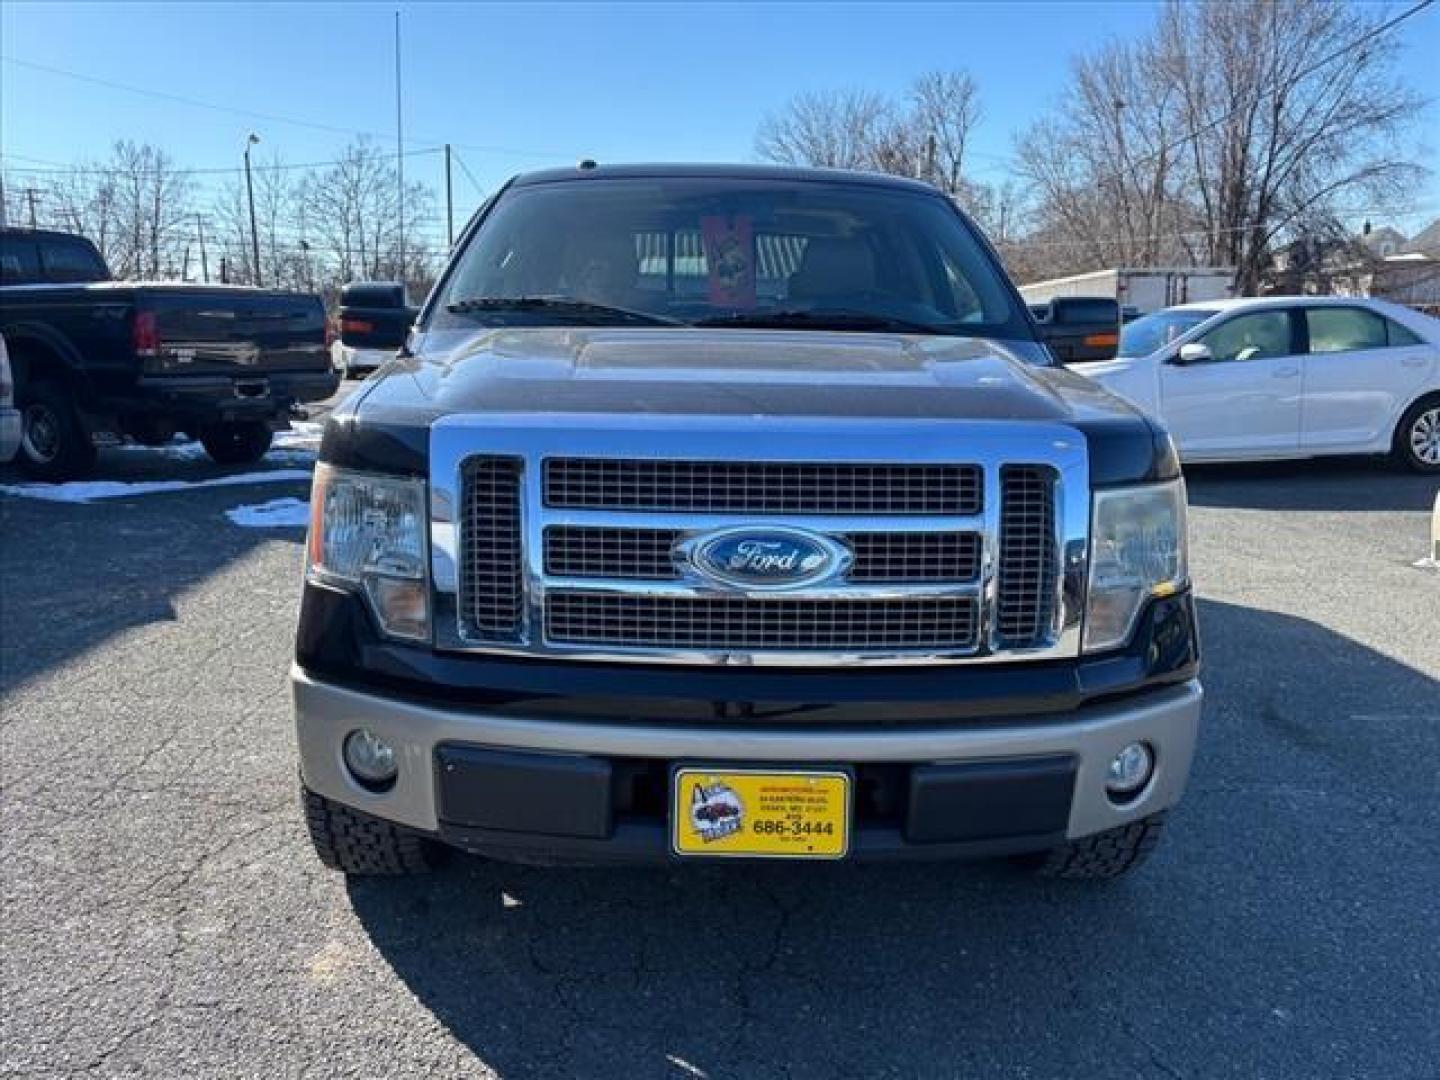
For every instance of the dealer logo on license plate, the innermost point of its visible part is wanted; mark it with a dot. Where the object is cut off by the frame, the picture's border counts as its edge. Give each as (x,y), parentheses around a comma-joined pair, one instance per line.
(761,813)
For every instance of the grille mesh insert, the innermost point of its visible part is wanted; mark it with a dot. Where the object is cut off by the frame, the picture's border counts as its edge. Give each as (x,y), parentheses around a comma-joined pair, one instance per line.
(761,487)
(584,618)
(904,556)
(599,551)
(491,596)
(1029,561)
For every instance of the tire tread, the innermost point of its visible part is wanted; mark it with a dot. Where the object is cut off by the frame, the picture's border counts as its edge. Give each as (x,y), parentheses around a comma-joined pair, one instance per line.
(357,843)
(1104,855)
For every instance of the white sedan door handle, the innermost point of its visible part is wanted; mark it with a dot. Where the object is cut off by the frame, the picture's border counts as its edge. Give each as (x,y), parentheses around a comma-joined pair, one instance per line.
(1413,361)
(1286,372)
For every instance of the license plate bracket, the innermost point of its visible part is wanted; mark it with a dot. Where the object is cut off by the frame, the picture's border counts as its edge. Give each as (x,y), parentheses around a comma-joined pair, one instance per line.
(718,811)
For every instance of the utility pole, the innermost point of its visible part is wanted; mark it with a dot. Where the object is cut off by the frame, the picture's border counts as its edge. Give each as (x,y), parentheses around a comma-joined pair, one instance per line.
(224,271)
(250,187)
(204,263)
(4,219)
(30,195)
(399,149)
(449,203)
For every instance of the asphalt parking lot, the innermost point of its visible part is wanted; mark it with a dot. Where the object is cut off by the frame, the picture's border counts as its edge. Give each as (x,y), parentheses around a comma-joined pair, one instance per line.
(164,916)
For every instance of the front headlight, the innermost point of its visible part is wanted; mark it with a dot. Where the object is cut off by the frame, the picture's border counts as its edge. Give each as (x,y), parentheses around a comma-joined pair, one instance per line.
(1137,551)
(369,533)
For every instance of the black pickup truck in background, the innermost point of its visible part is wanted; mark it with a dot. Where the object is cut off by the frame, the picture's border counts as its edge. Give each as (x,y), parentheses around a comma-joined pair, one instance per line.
(96,359)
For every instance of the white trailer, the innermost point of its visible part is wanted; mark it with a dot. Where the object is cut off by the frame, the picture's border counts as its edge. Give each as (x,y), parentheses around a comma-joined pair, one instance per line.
(1139,292)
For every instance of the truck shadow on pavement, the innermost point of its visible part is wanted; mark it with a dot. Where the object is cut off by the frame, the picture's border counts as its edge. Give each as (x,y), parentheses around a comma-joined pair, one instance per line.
(1341,484)
(73,577)
(1285,905)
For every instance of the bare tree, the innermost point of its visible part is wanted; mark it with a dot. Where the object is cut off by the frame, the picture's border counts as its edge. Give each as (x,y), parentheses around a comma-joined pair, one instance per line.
(1232,129)
(839,129)
(945,110)
(152,204)
(1292,114)
(353,209)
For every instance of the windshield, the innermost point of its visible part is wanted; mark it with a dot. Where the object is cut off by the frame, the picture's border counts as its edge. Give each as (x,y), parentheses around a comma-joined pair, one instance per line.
(731,253)
(1143,336)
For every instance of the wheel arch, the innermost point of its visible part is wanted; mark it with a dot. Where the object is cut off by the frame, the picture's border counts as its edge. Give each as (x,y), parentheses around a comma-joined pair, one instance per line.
(38,351)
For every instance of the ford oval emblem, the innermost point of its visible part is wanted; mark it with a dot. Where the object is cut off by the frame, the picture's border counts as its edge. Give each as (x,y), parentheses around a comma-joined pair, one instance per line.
(767,558)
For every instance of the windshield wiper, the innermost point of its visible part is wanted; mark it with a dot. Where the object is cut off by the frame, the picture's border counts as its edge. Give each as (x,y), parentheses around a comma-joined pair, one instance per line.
(822,318)
(561,305)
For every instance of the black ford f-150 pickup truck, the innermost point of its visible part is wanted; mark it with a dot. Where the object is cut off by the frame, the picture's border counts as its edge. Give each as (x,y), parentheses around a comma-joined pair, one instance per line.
(738,512)
(95,358)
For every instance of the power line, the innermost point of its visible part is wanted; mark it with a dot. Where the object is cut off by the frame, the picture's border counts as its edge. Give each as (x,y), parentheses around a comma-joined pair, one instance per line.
(251,114)
(471,177)
(60,169)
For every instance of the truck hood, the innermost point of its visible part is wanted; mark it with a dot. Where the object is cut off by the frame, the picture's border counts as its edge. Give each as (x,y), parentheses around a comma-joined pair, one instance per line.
(753,373)
(701,372)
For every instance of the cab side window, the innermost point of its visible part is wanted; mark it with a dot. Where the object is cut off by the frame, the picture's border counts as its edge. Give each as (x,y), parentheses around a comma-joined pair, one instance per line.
(1345,329)
(18,262)
(66,261)
(1255,336)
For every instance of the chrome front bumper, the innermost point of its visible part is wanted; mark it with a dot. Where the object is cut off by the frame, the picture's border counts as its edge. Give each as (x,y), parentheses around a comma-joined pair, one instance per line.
(1168,719)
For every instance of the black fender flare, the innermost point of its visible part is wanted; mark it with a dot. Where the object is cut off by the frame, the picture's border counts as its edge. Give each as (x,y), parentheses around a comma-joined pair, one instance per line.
(26,338)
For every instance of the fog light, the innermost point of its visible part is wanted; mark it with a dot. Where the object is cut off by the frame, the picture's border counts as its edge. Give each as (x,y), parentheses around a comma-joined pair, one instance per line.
(370,759)
(1130,770)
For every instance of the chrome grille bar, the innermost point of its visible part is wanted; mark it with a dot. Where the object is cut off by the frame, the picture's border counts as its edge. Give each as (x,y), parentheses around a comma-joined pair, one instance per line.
(628,553)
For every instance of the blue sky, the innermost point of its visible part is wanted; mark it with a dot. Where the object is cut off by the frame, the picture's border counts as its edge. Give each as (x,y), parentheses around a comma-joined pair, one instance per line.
(523,86)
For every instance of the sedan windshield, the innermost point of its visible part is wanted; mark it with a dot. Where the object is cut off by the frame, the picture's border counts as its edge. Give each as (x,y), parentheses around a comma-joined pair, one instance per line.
(729,253)
(1144,336)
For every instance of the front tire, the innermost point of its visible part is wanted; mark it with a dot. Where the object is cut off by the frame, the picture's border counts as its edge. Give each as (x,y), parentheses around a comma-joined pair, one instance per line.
(357,843)
(54,444)
(1104,855)
(236,442)
(1417,438)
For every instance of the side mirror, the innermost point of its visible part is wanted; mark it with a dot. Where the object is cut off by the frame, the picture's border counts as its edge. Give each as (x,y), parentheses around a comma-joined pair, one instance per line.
(374,315)
(1082,329)
(1194,353)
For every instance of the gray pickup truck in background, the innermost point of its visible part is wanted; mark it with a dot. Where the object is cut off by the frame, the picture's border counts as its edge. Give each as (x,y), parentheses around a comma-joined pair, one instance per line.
(94,358)
(738,512)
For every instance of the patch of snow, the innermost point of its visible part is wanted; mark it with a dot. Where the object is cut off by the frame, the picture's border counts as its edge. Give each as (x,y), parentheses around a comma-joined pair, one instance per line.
(303,435)
(298,446)
(275,514)
(84,491)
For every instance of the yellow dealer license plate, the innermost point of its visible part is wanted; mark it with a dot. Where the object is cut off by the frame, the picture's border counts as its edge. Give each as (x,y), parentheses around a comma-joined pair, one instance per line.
(760,813)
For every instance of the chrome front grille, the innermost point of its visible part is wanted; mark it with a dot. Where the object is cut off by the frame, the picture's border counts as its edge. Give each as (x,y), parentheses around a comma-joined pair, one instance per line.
(762,487)
(1029,563)
(646,554)
(744,624)
(581,544)
(491,595)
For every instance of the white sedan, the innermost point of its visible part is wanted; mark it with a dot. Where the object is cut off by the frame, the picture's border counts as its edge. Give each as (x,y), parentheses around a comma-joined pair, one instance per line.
(1286,377)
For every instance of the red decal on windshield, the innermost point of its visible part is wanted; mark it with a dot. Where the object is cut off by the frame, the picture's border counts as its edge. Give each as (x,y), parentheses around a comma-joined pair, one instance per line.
(730,257)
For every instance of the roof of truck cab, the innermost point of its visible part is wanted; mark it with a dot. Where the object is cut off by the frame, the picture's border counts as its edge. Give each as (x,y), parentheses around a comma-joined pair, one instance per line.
(789,173)
(41,234)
